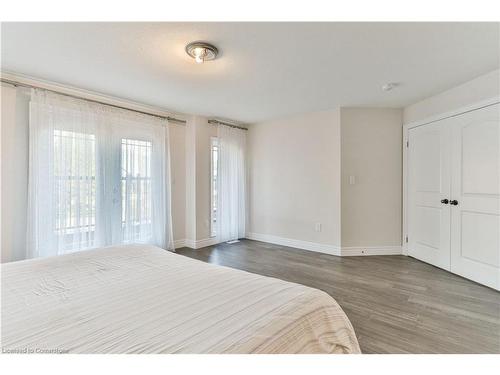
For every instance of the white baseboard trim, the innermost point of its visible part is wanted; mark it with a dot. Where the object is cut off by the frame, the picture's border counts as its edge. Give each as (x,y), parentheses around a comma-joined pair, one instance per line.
(179,243)
(326,249)
(371,250)
(206,242)
(305,245)
(190,243)
(299,244)
(196,244)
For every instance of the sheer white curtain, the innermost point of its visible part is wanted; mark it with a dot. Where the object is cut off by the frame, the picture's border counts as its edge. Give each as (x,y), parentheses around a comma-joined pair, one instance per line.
(97,176)
(231,183)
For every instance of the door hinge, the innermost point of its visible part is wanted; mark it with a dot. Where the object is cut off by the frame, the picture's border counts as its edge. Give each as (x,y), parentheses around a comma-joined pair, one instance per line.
(406,239)
(407,144)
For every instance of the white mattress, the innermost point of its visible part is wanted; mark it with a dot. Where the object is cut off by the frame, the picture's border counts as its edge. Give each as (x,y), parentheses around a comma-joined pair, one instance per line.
(142,299)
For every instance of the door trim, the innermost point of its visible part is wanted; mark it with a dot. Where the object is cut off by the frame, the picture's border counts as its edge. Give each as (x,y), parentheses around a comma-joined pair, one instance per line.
(456,112)
(406,126)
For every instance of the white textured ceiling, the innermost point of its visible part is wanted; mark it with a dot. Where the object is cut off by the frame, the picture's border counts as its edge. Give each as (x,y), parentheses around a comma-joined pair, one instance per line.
(266,70)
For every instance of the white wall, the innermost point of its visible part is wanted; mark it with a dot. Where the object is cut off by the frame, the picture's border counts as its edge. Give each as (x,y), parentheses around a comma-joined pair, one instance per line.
(372,153)
(198,134)
(190,198)
(177,134)
(14,158)
(294,177)
(471,92)
(299,170)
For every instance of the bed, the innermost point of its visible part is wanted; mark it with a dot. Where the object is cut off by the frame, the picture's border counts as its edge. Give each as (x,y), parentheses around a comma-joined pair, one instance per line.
(142,299)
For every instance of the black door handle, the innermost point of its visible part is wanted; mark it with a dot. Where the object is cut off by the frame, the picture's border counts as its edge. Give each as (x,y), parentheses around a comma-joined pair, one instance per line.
(444,201)
(454,202)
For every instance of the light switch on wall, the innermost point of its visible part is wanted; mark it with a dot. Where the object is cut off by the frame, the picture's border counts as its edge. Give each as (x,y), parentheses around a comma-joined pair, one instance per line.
(352,180)
(317,227)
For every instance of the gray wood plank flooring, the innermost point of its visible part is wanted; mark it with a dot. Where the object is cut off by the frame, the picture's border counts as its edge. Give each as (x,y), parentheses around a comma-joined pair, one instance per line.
(396,304)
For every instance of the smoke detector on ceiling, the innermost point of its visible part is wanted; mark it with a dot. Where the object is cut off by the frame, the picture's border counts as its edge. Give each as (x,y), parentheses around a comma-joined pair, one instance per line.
(390,86)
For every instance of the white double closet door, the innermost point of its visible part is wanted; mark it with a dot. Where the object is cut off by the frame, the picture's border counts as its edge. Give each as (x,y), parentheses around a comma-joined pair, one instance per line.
(453,202)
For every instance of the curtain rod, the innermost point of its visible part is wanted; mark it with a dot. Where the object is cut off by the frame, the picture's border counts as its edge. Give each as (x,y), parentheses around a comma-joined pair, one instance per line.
(16,84)
(226,124)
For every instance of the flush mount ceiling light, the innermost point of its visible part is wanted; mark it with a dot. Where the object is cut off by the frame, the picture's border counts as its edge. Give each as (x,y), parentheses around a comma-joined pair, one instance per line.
(202,51)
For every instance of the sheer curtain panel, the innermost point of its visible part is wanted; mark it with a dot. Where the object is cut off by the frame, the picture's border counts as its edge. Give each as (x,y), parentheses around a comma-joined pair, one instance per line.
(231,183)
(98,176)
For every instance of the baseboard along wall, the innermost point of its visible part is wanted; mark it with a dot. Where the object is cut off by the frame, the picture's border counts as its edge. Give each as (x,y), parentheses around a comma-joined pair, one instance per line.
(299,244)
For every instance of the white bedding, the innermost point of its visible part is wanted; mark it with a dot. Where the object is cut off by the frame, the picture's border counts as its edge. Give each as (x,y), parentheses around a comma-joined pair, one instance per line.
(141,299)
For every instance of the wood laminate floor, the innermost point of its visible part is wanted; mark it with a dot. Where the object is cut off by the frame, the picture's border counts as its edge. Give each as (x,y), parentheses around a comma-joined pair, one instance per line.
(396,304)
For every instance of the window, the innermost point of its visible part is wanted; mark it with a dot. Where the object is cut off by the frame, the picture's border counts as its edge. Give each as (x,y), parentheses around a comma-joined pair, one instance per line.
(97,177)
(214,165)
(74,189)
(136,194)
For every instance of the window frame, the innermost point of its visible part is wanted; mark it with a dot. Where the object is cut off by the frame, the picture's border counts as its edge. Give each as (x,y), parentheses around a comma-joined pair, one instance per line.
(128,141)
(61,231)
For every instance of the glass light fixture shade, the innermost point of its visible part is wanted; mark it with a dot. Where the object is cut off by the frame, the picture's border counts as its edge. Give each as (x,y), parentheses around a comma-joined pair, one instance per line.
(201,51)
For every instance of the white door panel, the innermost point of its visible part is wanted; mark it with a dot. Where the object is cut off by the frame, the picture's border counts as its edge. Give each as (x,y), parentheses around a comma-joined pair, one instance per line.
(475,220)
(428,184)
